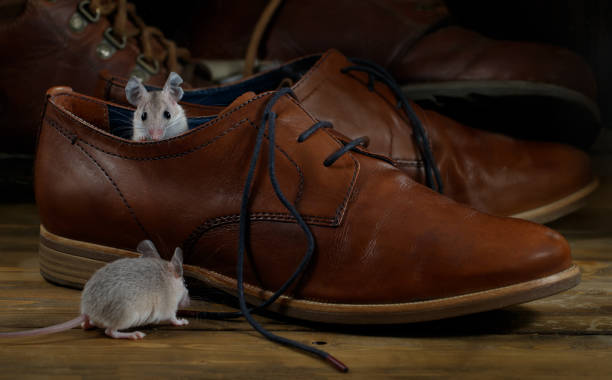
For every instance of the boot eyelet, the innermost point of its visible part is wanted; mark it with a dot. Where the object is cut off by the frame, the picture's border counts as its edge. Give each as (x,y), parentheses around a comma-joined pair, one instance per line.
(151,69)
(85,12)
(108,34)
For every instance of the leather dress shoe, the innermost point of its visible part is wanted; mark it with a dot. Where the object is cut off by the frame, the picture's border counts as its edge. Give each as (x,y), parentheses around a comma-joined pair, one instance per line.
(496,174)
(526,90)
(380,248)
(51,43)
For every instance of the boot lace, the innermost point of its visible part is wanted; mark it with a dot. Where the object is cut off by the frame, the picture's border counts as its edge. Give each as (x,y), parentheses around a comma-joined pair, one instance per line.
(268,123)
(123,29)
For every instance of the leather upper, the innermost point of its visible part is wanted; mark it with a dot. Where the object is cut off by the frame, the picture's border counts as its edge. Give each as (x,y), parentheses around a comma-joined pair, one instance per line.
(491,172)
(380,236)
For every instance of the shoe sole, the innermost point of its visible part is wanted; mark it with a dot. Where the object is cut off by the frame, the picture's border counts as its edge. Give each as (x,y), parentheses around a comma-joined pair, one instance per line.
(522,109)
(71,263)
(561,207)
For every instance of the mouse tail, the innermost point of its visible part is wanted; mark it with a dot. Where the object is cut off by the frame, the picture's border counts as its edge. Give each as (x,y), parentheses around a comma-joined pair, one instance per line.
(46,330)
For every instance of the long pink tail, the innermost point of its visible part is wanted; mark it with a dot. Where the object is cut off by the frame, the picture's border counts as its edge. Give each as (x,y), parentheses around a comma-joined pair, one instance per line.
(46,330)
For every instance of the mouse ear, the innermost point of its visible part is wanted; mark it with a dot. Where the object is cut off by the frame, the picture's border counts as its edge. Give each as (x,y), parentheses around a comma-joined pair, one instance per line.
(147,249)
(177,261)
(173,86)
(135,91)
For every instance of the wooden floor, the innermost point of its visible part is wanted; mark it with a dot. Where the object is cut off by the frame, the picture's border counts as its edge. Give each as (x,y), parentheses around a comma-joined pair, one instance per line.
(567,336)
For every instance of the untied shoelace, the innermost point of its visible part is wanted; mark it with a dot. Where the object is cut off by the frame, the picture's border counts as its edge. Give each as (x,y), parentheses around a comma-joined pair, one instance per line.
(268,123)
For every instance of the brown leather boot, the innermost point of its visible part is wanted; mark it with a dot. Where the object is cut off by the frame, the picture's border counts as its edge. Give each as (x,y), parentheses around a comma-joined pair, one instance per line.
(526,90)
(266,178)
(499,175)
(50,43)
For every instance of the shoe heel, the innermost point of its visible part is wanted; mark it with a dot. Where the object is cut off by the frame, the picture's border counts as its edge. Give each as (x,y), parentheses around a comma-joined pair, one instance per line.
(70,262)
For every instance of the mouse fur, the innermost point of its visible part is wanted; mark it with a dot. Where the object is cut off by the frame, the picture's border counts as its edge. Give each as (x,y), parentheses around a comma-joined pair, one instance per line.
(127,293)
(158,115)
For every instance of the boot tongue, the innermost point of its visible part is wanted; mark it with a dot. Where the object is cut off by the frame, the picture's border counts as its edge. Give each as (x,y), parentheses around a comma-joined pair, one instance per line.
(239,100)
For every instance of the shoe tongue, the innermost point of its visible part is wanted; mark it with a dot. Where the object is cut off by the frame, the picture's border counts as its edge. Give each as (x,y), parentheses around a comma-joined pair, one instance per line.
(239,100)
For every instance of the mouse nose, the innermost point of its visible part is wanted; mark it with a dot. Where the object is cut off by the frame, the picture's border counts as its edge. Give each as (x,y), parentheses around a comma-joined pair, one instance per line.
(157,133)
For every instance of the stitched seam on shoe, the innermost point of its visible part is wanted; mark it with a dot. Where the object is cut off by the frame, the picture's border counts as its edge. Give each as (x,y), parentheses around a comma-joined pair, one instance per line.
(210,224)
(121,141)
(175,155)
(163,157)
(72,138)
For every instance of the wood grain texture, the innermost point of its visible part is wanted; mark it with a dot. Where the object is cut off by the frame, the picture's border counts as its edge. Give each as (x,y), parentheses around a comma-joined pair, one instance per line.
(565,336)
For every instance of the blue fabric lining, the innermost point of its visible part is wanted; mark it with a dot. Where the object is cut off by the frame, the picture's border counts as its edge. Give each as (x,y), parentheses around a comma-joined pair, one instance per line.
(120,121)
(224,95)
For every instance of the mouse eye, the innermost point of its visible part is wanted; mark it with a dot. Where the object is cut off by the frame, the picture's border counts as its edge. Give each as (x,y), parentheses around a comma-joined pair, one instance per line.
(144,116)
(167,114)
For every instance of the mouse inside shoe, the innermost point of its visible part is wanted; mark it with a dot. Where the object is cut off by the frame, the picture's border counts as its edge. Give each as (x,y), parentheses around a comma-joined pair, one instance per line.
(120,121)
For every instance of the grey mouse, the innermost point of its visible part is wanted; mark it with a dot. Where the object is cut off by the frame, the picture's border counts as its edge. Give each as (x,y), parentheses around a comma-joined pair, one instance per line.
(127,293)
(158,115)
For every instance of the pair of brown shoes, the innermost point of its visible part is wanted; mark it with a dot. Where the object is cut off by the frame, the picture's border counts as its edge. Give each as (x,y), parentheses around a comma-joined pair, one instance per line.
(332,230)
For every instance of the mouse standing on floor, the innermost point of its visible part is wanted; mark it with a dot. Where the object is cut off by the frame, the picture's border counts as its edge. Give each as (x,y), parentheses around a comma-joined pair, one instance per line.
(128,293)
(158,115)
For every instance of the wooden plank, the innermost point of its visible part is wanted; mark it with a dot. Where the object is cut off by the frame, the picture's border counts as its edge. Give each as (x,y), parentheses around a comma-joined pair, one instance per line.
(19,214)
(28,302)
(213,355)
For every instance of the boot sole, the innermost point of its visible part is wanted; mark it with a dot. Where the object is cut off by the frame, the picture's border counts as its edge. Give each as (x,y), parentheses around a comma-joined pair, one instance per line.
(523,109)
(561,207)
(71,263)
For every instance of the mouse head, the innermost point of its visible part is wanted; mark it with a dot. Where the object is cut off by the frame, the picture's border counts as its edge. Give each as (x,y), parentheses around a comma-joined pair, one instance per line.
(175,268)
(156,111)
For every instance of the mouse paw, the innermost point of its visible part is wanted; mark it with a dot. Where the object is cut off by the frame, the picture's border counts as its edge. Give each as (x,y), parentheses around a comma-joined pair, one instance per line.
(87,324)
(179,322)
(136,335)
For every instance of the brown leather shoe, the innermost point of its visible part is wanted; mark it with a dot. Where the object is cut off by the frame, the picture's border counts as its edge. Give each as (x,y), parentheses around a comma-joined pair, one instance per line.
(50,43)
(491,172)
(526,90)
(385,249)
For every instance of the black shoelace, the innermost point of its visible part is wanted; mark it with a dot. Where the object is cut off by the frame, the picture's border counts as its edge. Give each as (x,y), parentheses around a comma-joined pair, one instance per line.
(269,121)
(377,72)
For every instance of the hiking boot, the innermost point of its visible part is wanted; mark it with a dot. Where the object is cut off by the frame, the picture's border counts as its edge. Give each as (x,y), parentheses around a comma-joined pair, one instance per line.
(51,43)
